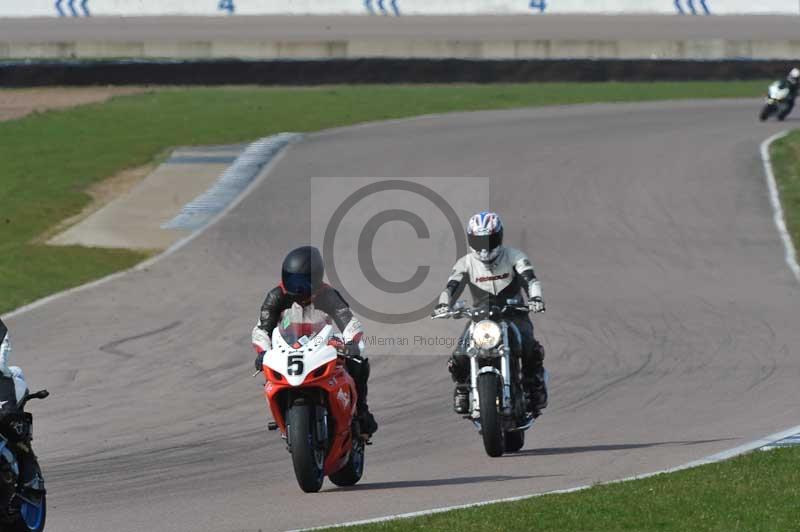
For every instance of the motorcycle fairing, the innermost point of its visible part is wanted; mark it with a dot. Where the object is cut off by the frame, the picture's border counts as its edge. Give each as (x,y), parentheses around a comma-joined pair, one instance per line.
(777,92)
(295,362)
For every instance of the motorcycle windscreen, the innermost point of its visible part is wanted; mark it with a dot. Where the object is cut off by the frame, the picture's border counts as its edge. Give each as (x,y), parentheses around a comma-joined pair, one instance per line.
(299,325)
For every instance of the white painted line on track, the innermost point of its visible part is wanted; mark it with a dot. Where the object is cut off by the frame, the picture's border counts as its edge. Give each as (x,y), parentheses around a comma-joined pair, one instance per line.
(267,168)
(774,197)
(762,443)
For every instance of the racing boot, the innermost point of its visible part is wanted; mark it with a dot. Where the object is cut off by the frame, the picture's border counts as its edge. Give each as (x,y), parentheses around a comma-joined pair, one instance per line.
(461,399)
(458,366)
(359,369)
(536,391)
(366,421)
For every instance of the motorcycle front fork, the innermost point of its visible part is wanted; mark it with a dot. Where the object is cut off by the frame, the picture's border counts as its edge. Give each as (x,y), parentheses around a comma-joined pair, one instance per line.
(505,372)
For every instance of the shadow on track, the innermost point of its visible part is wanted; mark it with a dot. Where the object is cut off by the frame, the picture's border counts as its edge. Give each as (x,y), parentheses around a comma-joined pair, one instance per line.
(609,447)
(437,482)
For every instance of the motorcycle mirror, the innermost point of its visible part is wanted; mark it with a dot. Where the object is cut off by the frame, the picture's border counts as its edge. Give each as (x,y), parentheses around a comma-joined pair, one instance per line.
(41,394)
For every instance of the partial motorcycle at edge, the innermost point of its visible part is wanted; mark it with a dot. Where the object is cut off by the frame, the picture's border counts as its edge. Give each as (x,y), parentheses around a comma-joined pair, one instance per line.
(22,508)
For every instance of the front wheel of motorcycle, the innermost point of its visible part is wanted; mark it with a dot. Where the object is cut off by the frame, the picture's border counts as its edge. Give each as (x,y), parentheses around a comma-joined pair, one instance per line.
(765,112)
(308,456)
(489,389)
(32,516)
(352,471)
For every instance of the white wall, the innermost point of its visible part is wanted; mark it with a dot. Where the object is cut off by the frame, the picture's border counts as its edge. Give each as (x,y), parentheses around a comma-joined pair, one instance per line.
(50,8)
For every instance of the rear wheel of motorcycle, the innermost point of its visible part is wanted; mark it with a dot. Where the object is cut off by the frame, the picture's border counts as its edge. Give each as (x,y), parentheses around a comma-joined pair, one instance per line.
(514,441)
(765,112)
(32,517)
(491,423)
(354,468)
(308,457)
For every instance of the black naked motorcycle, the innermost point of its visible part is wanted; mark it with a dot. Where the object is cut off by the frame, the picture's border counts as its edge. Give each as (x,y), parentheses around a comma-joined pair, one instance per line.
(23,505)
(497,398)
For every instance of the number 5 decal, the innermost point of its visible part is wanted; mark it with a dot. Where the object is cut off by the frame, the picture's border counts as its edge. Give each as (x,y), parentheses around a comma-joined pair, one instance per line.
(295,364)
(226,5)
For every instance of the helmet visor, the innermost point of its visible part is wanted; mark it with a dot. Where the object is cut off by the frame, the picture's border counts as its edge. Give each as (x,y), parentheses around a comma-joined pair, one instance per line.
(298,284)
(487,242)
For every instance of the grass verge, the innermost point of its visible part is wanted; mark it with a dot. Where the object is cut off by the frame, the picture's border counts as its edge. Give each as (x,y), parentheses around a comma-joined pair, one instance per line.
(752,493)
(785,155)
(48,160)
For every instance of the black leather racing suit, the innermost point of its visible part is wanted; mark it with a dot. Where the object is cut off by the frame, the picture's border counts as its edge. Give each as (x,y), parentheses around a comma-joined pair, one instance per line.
(328,300)
(793,89)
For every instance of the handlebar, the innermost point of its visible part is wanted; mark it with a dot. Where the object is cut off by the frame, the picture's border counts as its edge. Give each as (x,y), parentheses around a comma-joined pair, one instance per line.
(471,312)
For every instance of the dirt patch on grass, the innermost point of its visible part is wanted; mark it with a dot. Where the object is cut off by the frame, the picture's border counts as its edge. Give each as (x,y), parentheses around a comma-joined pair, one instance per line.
(16,103)
(102,193)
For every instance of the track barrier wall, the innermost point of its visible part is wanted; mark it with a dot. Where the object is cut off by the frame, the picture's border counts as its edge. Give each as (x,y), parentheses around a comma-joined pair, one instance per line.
(87,8)
(345,71)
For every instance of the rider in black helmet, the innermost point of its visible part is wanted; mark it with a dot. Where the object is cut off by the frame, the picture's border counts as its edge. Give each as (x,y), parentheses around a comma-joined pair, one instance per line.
(302,282)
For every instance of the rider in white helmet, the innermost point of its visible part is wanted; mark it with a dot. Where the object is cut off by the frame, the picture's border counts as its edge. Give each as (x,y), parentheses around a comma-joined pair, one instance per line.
(793,84)
(494,274)
(794,76)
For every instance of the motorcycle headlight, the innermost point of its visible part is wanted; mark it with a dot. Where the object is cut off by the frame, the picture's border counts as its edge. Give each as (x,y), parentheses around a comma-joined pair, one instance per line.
(486,334)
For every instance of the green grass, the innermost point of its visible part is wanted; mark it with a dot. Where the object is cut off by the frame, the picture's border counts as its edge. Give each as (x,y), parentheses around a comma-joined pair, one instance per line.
(756,492)
(48,160)
(785,155)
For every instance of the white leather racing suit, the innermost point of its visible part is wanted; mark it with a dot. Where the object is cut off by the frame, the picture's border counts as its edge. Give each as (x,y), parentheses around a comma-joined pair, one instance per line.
(494,283)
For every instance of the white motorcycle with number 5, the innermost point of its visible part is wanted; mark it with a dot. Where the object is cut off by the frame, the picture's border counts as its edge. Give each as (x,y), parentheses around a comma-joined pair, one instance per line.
(498,400)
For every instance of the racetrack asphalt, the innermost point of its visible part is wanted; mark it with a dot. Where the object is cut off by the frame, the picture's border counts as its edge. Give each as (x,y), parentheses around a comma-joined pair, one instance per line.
(671,329)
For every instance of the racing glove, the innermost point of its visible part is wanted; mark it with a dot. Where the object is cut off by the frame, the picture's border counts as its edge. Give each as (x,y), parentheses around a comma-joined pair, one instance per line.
(535,301)
(441,309)
(262,344)
(260,362)
(536,304)
(261,340)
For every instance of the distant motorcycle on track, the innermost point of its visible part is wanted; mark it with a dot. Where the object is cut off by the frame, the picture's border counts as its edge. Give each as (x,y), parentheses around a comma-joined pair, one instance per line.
(498,402)
(313,400)
(22,508)
(779,101)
